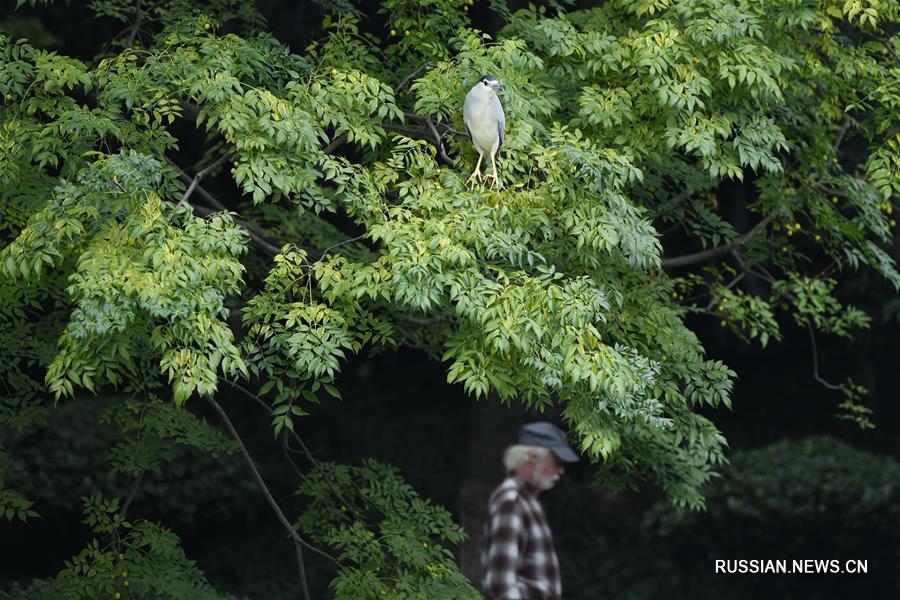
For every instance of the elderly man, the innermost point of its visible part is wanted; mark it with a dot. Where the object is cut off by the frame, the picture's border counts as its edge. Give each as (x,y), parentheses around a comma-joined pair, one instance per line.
(519,557)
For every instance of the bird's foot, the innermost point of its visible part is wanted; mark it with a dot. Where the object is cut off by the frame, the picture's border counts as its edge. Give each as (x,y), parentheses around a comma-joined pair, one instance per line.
(475,177)
(495,181)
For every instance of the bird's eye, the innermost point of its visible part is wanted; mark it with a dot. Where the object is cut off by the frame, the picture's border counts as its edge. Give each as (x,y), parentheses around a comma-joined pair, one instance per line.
(484,81)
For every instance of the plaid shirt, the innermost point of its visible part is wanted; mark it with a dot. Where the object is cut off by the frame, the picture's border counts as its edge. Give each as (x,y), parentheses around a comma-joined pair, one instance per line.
(518,557)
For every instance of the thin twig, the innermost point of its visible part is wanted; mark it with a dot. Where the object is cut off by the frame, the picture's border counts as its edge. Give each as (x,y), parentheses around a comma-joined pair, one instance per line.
(453,132)
(261,402)
(400,129)
(301,566)
(209,198)
(196,181)
(131,493)
(410,77)
(698,257)
(286,450)
(728,286)
(255,235)
(298,540)
(815,362)
(764,274)
(438,140)
(138,21)
(442,151)
(840,136)
(335,144)
(339,244)
(306,451)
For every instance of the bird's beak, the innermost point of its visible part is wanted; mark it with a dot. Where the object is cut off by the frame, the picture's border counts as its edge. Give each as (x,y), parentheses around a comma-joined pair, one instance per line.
(498,88)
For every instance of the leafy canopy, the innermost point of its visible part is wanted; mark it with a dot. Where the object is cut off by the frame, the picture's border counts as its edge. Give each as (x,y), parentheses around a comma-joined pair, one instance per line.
(344,221)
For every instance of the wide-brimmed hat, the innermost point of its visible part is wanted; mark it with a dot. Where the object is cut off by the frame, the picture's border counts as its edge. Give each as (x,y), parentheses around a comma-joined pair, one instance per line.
(547,435)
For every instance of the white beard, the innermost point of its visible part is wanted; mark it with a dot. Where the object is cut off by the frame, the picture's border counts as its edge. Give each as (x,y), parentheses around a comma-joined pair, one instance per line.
(545,483)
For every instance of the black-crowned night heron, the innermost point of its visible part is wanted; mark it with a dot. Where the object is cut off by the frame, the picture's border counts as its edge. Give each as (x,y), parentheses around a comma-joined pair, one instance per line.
(485,123)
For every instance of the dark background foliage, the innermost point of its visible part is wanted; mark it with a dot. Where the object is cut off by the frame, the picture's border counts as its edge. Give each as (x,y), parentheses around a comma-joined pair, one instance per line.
(802,483)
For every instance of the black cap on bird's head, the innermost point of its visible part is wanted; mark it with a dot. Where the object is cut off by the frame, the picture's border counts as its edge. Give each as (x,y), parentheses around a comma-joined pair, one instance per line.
(490,81)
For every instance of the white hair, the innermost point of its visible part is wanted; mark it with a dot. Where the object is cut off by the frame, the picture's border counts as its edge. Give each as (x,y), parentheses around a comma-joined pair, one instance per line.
(517,455)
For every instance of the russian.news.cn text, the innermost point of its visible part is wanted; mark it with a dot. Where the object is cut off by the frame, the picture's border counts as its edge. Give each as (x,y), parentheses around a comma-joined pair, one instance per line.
(808,566)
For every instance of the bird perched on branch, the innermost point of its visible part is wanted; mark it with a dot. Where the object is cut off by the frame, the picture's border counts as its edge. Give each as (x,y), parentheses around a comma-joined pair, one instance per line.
(485,123)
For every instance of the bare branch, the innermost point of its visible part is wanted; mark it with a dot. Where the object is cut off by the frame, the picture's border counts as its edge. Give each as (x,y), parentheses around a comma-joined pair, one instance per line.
(841,133)
(138,21)
(453,132)
(763,273)
(438,140)
(410,77)
(815,363)
(131,493)
(339,244)
(209,198)
(262,403)
(401,129)
(306,451)
(737,279)
(298,540)
(196,181)
(442,151)
(698,257)
(335,144)
(255,235)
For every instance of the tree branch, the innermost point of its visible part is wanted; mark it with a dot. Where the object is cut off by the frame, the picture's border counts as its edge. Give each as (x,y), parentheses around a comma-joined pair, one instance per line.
(453,132)
(131,493)
(841,133)
(335,144)
(196,181)
(698,257)
(339,244)
(209,198)
(815,363)
(298,540)
(438,140)
(138,21)
(306,451)
(261,402)
(442,151)
(410,77)
(255,235)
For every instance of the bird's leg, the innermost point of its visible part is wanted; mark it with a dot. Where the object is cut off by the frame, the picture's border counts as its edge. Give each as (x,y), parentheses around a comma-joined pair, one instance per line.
(477,173)
(493,176)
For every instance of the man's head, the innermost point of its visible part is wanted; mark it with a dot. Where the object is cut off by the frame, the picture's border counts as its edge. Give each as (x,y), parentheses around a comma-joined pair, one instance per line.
(534,465)
(538,457)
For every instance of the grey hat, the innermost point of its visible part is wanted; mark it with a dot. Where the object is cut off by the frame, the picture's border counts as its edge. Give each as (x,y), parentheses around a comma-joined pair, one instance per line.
(547,435)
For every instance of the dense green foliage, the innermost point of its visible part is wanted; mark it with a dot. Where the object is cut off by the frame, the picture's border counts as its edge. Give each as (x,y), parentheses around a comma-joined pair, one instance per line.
(396,559)
(346,222)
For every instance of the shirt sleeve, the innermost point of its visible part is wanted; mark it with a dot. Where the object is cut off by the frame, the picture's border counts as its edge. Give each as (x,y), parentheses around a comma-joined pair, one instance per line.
(503,552)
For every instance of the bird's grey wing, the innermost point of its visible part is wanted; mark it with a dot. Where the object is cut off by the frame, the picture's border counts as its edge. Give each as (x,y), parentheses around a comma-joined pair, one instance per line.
(469,131)
(501,121)
(466,109)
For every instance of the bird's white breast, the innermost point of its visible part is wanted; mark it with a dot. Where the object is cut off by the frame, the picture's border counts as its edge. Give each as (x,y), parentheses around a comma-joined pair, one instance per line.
(481,109)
